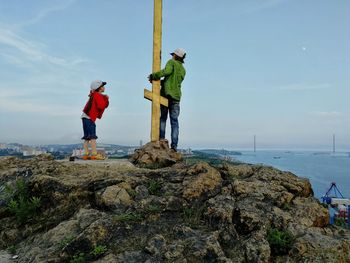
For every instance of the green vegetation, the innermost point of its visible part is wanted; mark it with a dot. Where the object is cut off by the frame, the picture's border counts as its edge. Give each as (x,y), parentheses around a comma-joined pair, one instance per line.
(128,217)
(132,193)
(12,249)
(154,187)
(78,258)
(98,251)
(286,207)
(154,166)
(192,215)
(66,241)
(153,209)
(340,222)
(20,203)
(211,158)
(280,241)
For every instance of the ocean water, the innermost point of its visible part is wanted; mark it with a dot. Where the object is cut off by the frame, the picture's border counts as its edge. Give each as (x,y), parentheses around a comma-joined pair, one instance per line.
(321,168)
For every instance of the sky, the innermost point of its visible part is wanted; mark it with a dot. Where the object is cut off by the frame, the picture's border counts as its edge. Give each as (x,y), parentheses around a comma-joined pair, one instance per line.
(276,69)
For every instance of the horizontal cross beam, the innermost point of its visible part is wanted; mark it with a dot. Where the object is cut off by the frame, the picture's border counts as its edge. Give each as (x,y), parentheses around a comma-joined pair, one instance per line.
(152,97)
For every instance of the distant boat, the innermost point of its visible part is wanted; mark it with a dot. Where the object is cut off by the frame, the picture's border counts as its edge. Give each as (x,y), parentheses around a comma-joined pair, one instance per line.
(277,157)
(322,153)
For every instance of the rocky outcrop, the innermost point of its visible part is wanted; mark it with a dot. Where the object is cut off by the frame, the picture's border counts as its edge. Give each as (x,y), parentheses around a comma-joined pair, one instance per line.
(114,212)
(155,155)
(202,179)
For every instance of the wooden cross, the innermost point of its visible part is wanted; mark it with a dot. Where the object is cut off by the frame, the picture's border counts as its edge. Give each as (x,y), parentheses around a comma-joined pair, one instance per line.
(154,95)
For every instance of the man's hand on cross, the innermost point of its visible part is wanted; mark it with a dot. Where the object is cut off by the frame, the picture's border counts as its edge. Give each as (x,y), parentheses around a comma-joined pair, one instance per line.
(150,78)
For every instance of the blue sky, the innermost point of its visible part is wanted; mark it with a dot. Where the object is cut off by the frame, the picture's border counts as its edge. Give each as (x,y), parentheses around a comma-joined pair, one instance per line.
(278,69)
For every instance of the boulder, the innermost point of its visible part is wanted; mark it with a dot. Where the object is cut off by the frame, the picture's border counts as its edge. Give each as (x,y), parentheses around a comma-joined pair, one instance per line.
(114,197)
(155,155)
(202,179)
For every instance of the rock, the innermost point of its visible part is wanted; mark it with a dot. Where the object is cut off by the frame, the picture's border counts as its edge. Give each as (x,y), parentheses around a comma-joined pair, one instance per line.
(65,230)
(9,236)
(96,234)
(220,210)
(155,155)
(114,196)
(5,257)
(293,184)
(86,217)
(177,214)
(141,192)
(238,171)
(310,213)
(314,246)
(156,245)
(256,248)
(174,203)
(110,258)
(132,257)
(250,215)
(175,251)
(202,179)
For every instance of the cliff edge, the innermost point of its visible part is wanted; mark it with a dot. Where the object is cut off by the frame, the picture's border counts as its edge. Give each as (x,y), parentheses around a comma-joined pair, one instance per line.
(54,211)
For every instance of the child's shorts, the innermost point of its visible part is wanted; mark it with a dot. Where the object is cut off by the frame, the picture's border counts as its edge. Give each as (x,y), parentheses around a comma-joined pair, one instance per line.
(89,128)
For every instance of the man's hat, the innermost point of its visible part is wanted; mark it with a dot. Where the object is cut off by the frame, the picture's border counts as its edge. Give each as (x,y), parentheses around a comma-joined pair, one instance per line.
(97,84)
(180,52)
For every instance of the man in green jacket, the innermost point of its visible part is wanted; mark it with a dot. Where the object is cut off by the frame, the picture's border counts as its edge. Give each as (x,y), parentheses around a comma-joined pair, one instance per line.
(173,73)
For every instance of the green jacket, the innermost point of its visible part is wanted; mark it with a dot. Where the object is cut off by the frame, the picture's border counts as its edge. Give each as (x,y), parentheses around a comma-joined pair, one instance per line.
(173,73)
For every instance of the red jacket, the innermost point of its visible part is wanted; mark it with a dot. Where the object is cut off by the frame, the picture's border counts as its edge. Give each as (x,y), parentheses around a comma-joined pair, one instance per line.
(96,105)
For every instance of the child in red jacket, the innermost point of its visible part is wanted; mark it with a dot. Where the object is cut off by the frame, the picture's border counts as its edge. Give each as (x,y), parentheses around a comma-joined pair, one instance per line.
(93,110)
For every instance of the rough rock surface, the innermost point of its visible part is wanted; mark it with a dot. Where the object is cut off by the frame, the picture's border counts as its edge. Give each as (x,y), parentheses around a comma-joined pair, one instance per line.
(110,212)
(155,155)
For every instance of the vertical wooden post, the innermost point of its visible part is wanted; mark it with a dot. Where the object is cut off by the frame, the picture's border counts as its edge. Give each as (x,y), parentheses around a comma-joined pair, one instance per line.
(154,95)
(157,47)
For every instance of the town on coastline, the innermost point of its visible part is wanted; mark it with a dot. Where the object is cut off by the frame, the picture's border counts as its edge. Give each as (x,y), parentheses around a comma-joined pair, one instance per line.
(61,151)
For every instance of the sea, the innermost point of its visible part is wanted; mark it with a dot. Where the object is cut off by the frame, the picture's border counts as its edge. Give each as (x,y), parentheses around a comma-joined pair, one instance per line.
(321,168)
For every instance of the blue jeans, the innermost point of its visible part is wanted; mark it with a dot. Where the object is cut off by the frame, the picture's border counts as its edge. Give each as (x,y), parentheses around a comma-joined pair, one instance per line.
(89,128)
(174,112)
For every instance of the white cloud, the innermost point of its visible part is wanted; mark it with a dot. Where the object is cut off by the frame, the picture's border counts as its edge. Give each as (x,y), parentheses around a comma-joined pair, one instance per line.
(326,114)
(305,86)
(23,51)
(263,4)
(43,13)
(27,106)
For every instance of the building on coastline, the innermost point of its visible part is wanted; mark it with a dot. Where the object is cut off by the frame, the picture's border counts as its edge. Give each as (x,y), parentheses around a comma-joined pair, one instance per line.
(32,152)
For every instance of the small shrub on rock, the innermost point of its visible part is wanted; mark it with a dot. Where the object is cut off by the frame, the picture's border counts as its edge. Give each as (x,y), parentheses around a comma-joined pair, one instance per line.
(192,215)
(280,241)
(20,203)
(98,251)
(340,222)
(79,258)
(128,217)
(66,241)
(154,187)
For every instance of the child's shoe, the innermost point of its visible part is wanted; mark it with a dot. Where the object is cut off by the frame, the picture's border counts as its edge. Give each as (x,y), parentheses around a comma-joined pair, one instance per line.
(97,156)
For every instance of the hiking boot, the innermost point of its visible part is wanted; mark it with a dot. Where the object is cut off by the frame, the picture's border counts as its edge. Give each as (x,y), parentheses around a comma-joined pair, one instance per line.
(97,157)
(86,157)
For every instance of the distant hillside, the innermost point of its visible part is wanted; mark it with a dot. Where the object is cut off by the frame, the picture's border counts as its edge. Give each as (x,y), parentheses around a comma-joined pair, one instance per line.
(221,152)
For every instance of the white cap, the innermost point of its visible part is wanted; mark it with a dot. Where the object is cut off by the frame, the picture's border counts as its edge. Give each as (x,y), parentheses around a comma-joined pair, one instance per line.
(180,52)
(97,84)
